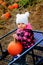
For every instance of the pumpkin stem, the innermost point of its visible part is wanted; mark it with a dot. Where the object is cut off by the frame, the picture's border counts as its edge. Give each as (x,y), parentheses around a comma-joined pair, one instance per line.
(15,40)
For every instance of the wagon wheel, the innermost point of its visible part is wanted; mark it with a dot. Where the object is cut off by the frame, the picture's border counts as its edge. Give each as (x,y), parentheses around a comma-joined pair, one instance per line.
(3,53)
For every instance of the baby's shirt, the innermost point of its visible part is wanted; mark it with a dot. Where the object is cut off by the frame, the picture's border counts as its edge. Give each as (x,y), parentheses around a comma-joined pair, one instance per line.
(26,36)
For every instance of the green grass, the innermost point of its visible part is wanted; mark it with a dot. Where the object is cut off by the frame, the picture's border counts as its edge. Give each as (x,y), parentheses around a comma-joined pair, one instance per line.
(30,2)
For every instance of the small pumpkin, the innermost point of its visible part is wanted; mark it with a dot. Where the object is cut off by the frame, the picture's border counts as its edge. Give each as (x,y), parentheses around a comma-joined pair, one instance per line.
(15,5)
(1,2)
(15,48)
(6,15)
(10,7)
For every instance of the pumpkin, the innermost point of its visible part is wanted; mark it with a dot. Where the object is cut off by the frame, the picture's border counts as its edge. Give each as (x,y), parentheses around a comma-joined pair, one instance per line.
(6,15)
(15,48)
(10,7)
(15,5)
(1,2)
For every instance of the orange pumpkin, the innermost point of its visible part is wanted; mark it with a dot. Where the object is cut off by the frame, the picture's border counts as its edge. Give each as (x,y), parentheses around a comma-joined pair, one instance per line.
(10,7)
(15,48)
(15,5)
(1,2)
(6,15)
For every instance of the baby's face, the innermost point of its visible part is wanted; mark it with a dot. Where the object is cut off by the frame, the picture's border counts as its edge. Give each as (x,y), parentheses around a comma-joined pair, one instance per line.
(21,25)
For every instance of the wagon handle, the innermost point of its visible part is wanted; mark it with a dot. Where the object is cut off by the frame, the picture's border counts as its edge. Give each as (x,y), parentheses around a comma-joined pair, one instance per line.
(8,33)
(38,31)
(15,30)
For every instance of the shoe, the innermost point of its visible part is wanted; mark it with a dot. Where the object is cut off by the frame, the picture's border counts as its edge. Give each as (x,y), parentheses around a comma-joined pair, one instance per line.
(16,56)
(16,64)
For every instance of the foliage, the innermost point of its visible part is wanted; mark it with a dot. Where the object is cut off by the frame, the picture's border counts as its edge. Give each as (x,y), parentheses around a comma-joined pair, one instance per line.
(23,2)
(30,2)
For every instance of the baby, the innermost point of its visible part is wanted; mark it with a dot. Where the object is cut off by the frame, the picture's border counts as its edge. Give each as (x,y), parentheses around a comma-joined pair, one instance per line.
(24,33)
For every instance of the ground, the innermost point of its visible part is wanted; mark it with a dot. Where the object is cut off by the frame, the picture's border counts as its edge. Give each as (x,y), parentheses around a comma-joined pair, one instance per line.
(36,20)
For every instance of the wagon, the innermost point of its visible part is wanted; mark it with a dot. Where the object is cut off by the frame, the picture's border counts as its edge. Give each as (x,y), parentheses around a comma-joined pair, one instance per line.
(37,59)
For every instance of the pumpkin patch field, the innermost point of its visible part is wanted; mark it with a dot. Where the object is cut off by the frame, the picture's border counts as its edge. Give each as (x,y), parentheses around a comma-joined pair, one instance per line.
(8,11)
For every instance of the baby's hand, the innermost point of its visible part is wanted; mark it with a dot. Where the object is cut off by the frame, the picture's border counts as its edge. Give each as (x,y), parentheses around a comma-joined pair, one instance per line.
(14,35)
